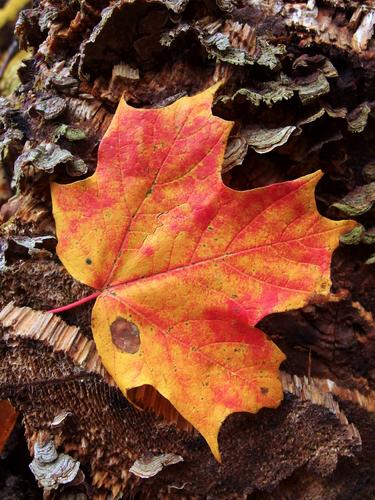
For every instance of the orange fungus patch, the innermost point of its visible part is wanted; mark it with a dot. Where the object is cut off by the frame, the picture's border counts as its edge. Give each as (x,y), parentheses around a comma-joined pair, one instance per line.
(185,266)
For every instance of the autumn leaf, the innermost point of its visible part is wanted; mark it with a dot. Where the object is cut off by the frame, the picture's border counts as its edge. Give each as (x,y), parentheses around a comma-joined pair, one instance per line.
(10,10)
(9,80)
(11,59)
(184,267)
(8,419)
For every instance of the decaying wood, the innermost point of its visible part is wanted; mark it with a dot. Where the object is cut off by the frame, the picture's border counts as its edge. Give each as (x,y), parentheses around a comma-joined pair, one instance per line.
(314,432)
(298,83)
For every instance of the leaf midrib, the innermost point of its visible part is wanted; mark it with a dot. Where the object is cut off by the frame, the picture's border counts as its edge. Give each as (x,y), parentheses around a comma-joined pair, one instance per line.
(213,259)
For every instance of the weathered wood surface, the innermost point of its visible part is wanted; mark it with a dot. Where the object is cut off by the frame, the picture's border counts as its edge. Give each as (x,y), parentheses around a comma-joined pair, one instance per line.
(45,360)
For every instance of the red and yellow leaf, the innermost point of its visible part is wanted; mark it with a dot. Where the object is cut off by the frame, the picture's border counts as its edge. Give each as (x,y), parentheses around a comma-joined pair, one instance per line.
(187,266)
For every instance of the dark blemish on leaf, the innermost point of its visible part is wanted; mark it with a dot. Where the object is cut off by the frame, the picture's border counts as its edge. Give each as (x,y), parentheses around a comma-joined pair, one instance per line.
(125,335)
(88,261)
(149,192)
(264,390)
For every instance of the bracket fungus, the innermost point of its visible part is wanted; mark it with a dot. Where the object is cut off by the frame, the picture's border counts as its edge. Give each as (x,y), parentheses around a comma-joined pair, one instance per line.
(149,465)
(50,468)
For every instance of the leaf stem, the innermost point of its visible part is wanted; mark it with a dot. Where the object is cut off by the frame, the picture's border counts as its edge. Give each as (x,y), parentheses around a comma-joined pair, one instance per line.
(75,304)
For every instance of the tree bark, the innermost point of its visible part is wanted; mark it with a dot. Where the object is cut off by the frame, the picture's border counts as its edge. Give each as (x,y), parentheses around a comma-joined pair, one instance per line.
(298,80)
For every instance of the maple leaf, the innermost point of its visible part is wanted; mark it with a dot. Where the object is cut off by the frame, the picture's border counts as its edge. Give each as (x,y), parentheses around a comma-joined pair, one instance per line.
(184,266)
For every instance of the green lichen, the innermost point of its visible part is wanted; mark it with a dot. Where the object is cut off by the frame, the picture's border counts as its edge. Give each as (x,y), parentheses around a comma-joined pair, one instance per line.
(70,133)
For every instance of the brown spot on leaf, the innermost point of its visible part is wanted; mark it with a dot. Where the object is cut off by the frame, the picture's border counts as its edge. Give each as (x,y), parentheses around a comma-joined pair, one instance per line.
(264,390)
(125,335)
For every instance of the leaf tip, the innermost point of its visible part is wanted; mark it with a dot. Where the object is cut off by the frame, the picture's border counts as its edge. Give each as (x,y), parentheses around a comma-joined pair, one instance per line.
(213,442)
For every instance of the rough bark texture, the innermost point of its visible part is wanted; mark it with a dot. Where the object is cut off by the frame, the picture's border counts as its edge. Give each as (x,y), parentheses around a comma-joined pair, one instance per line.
(309,429)
(299,83)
